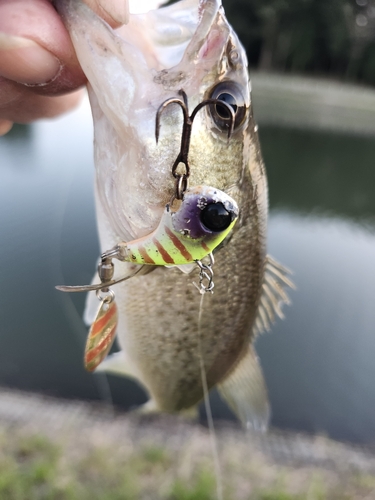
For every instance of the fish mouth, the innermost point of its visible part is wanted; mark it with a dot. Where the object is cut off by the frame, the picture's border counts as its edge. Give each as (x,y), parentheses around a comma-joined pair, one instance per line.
(131,71)
(163,35)
(173,42)
(188,45)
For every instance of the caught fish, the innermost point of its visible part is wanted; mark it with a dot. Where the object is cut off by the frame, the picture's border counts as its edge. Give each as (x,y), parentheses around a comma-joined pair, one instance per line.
(188,49)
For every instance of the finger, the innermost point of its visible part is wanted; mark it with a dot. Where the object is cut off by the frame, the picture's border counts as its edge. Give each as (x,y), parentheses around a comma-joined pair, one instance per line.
(20,104)
(36,50)
(24,61)
(35,47)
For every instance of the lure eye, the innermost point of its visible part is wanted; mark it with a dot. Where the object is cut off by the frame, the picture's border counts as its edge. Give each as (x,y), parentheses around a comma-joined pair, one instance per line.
(216,217)
(231,94)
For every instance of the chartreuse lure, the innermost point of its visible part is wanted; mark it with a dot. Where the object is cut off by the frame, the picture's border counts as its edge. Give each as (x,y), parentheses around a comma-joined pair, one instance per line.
(205,217)
(188,233)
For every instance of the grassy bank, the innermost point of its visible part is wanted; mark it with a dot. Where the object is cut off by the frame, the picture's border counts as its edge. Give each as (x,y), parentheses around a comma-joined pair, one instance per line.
(33,466)
(69,451)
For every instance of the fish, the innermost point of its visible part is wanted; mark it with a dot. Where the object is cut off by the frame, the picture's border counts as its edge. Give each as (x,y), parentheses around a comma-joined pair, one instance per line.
(164,329)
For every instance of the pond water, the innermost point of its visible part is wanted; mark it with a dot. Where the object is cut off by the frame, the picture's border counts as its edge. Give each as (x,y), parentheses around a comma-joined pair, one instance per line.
(318,362)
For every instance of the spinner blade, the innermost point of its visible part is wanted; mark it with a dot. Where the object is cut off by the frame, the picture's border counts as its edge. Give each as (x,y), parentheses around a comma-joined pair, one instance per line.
(101,335)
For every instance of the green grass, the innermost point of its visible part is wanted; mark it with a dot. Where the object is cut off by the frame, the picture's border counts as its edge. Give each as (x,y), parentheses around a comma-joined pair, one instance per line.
(202,487)
(280,496)
(34,467)
(28,468)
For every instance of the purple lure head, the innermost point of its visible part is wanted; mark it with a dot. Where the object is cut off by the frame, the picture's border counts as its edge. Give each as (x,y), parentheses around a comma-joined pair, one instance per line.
(205,212)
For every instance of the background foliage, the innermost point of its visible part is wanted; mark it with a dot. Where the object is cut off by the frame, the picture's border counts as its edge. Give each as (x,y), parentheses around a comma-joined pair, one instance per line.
(317,37)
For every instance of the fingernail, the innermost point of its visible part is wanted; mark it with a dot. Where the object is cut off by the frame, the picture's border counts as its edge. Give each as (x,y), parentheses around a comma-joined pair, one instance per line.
(24,61)
(117,9)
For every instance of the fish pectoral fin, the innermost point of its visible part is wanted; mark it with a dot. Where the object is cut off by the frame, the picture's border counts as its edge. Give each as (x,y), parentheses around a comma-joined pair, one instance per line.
(245,391)
(276,279)
(91,305)
(117,364)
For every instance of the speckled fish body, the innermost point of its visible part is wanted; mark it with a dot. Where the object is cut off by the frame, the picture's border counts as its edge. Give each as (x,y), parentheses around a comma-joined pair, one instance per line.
(131,72)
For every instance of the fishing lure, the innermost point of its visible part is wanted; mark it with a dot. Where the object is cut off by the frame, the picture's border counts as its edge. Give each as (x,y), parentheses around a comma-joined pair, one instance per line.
(203,219)
(102,334)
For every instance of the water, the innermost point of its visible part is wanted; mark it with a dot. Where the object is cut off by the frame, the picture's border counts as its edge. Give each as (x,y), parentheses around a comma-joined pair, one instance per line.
(318,363)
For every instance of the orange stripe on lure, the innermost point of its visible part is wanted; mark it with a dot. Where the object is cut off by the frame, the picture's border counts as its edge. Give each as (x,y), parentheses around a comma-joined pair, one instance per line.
(189,233)
(101,335)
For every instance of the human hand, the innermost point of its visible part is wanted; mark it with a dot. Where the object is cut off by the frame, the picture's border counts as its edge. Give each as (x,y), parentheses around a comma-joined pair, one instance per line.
(39,71)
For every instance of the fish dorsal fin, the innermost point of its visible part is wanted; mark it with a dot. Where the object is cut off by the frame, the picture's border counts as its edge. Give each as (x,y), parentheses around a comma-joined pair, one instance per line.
(273,295)
(245,392)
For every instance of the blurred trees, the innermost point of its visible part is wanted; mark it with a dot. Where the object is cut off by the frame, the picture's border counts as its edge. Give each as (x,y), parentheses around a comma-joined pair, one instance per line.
(325,37)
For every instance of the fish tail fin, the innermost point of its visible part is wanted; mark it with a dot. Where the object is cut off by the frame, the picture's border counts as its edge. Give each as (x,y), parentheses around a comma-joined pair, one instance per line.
(245,391)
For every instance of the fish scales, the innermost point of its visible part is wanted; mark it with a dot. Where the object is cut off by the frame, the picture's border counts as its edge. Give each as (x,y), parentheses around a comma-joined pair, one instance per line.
(170,344)
(129,78)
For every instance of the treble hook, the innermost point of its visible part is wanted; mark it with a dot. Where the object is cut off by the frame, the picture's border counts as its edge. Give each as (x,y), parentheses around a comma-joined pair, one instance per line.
(182,157)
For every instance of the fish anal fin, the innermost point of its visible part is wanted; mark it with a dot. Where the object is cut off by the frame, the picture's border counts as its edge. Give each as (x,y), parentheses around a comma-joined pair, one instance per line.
(91,306)
(245,391)
(276,280)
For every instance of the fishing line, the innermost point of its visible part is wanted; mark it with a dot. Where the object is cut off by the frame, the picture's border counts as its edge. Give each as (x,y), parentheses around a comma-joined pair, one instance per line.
(213,439)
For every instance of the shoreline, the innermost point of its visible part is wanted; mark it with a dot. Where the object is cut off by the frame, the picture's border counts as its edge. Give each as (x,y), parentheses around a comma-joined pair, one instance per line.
(73,450)
(43,413)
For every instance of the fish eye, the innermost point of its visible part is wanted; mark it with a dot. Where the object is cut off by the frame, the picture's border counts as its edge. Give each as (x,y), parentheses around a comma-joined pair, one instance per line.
(223,111)
(230,93)
(216,217)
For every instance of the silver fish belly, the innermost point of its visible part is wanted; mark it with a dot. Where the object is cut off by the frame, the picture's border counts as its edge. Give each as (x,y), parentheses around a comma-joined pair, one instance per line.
(188,46)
